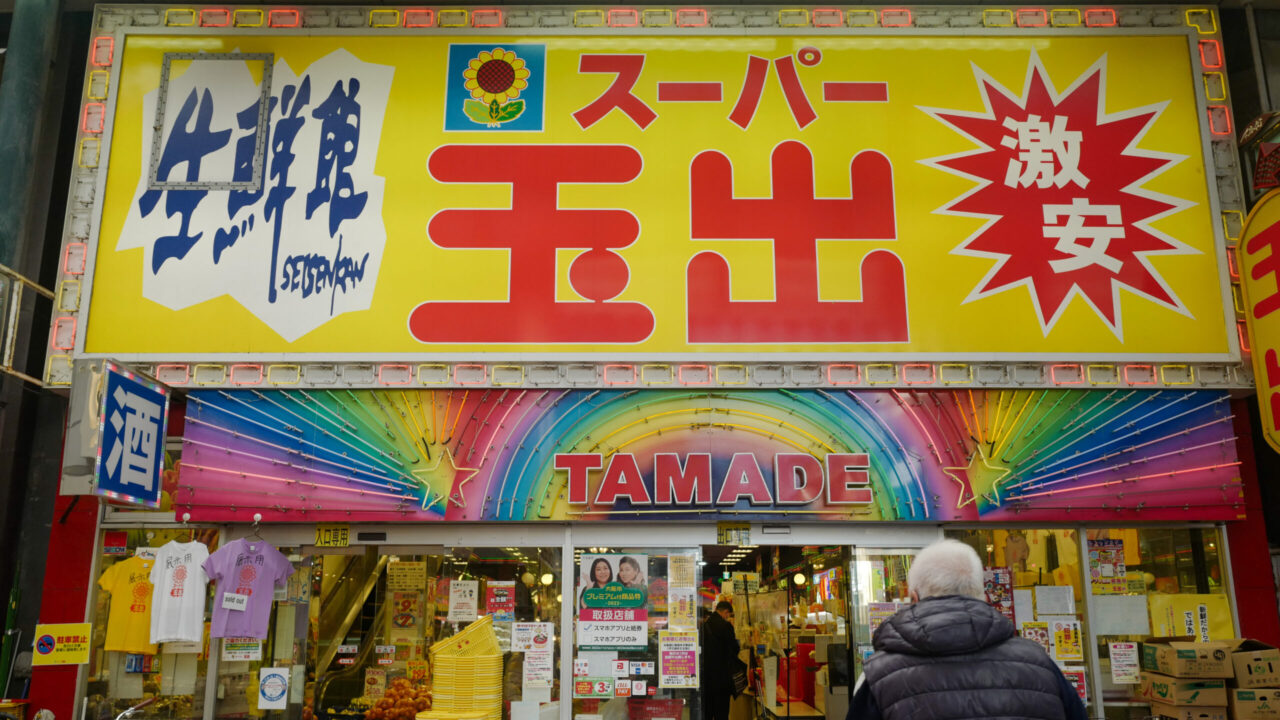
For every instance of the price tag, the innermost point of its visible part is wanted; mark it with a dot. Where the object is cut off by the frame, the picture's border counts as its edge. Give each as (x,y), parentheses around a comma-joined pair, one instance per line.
(385,650)
(232,601)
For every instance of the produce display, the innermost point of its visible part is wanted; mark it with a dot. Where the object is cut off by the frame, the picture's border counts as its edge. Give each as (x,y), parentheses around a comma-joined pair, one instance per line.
(402,701)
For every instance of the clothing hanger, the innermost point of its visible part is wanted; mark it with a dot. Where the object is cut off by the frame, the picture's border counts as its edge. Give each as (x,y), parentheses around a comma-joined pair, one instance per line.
(186,518)
(146,552)
(257,518)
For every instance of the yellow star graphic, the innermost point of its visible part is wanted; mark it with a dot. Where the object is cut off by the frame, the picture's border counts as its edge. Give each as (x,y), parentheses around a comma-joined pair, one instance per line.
(443,474)
(979,481)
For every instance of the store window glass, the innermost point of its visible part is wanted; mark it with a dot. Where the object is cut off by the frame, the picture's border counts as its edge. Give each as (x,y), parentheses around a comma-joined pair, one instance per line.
(791,611)
(149,624)
(462,632)
(878,583)
(262,647)
(1152,581)
(1034,578)
(636,614)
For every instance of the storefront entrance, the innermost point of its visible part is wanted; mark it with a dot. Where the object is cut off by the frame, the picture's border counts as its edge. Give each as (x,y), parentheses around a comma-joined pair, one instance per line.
(380,619)
(605,621)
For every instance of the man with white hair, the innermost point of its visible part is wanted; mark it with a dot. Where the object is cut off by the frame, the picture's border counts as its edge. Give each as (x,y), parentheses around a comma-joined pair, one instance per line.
(950,655)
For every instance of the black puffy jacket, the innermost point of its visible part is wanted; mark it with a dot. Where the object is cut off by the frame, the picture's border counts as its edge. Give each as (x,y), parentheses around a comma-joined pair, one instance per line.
(947,658)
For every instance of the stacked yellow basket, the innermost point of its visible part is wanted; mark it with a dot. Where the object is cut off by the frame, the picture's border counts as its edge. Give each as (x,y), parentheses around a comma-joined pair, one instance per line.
(467,677)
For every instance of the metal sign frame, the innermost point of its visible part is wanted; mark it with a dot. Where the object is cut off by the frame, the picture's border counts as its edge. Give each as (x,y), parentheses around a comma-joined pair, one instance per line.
(112,24)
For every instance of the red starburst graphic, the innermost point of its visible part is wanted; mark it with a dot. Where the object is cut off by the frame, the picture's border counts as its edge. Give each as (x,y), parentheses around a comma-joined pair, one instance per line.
(1060,185)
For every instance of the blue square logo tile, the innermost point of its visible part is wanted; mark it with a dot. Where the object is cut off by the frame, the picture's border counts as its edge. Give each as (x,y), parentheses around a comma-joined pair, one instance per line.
(495,87)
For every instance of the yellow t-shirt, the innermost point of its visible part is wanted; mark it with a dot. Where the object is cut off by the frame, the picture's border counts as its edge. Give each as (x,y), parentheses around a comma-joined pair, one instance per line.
(129,619)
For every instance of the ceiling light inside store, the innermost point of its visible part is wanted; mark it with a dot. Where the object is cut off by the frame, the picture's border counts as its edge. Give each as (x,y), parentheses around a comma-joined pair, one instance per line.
(547,578)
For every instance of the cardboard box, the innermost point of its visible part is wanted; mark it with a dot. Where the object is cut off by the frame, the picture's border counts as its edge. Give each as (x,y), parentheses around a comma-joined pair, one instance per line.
(1167,690)
(1182,658)
(1256,664)
(1254,704)
(1190,712)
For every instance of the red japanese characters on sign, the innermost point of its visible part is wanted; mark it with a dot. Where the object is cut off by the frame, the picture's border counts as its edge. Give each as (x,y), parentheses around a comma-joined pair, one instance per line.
(1260,276)
(1056,166)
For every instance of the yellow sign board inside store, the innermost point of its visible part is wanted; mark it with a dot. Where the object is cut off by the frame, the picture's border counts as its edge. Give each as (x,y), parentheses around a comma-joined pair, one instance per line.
(1018,196)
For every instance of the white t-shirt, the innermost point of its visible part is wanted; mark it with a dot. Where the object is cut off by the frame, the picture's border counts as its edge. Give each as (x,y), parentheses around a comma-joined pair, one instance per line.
(177,606)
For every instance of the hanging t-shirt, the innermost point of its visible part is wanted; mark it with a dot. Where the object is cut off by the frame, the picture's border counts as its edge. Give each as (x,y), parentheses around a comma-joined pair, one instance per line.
(178,606)
(129,617)
(247,573)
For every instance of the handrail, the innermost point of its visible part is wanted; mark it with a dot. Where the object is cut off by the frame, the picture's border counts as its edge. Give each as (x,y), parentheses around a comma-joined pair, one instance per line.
(361,597)
(136,708)
(322,687)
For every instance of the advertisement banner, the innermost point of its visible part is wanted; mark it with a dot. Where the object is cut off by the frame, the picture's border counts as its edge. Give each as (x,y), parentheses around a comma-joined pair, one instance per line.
(613,581)
(404,575)
(677,659)
(1018,197)
(1107,575)
(241,649)
(500,600)
(463,600)
(532,636)
(1015,455)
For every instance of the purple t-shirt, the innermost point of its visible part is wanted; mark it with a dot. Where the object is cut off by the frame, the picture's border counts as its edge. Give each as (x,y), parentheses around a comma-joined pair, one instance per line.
(249,569)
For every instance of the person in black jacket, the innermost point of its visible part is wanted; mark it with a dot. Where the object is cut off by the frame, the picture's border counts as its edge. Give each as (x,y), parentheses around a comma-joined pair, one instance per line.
(951,655)
(719,647)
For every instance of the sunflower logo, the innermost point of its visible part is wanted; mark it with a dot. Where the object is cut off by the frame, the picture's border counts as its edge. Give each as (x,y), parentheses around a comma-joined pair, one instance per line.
(495,79)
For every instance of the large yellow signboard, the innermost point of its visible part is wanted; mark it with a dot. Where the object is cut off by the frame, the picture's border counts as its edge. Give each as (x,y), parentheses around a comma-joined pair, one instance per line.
(1015,197)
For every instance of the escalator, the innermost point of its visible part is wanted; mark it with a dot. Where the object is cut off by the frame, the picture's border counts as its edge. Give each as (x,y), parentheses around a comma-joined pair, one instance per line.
(352,612)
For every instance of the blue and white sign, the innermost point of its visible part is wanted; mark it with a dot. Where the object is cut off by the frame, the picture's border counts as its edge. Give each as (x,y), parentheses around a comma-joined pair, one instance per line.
(273,688)
(131,454)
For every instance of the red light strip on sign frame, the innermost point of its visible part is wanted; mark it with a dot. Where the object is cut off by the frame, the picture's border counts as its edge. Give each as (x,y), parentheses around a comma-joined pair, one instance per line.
(1074,368)
(1210,54)
(857,374)
(404,370)
(288,18)
(489,18)
(1100,17)
(215,17)
(895,17)
(419,17)
(1219,119)
(620,380)
(923,379)
(1031,17)
(623,17)
(691,17)
(103,51)
(246,374)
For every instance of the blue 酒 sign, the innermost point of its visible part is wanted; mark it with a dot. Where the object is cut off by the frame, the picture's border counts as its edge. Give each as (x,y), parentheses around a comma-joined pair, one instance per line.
(131,452)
